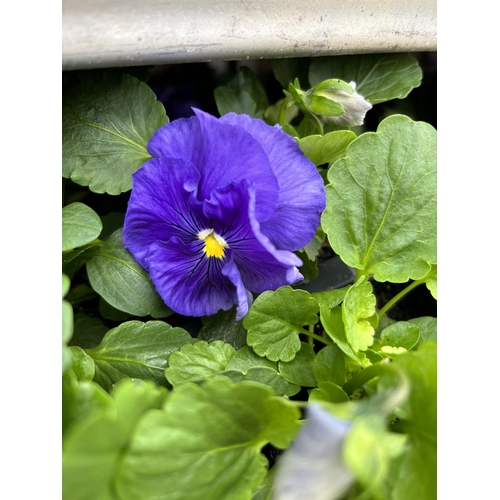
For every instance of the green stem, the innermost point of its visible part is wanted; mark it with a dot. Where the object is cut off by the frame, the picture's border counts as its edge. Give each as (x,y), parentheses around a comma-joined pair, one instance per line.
(314,336)
(310,340)
(281,115)
(316,121)
(367,374)
(399,296)
(359,273)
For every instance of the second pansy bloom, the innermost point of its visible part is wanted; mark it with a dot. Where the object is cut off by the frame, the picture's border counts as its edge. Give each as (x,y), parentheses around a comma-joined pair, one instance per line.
(218,211)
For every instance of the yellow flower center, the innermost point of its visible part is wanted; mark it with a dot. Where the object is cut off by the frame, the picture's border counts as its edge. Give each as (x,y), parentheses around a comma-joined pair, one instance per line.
(214,244)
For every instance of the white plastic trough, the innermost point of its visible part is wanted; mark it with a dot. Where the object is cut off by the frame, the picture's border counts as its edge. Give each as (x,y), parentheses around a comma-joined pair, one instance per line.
(113,33)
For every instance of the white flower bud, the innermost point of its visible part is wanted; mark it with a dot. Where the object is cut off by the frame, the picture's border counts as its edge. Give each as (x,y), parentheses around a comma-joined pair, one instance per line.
(355,106)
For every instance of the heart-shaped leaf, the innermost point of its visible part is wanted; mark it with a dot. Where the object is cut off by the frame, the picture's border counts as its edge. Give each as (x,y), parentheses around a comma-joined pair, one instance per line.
(381,201)
(80,225)
(378,77)
(119,279)
(275,321)
(205,444)
(136,350)
(107,123)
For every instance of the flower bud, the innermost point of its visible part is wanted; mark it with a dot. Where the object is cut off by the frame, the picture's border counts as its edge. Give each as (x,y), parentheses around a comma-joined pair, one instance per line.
(337,102)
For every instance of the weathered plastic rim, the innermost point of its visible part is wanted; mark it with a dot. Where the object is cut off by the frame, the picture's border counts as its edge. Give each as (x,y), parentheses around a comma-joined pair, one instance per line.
(114,33)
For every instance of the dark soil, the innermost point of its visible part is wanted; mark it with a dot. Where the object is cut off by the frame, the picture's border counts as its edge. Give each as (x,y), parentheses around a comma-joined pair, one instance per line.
(419,302)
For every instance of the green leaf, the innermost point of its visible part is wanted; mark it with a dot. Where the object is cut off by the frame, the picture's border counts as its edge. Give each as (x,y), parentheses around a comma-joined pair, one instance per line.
(80,225)
(330,392)
(73,260)
(232,99)
(427,326)
(381,201)
(197,361)
(80,398)
(67,321)
(286,71)
(331,298)
(385,401)
(431,282)
(276,319)
(414,475)
(107,311)
(384,322)
(299,371)
(107,123)
(205,444)
(419,414)
(266,376)
(378,77)
(122,282)
(306,128)
(331,86)
(111,223)
(247,80)
(247,365)
(271,116)
(369,450)
(66,284)
(246,358)
(332,322)
(265,489)
(244,94)
(136,350)
(328,148)
(308,269)
(289,130)
(88,331)
(358,306)
(67,314)
(81,292)
(67,324)
(206,361)
(223,326)
(403,334)
(93,448)
(329,365)
(372,355)
(313,247)
(324,107)
(83,365)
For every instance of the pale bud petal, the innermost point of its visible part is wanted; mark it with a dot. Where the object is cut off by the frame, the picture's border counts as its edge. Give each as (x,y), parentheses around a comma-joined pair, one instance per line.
(355,107)
(313,468)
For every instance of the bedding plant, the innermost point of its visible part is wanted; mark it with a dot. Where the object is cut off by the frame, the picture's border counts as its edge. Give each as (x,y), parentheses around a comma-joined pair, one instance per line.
(207,353)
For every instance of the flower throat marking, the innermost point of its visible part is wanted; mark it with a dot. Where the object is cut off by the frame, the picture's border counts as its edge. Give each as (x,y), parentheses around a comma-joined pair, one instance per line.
(214,244)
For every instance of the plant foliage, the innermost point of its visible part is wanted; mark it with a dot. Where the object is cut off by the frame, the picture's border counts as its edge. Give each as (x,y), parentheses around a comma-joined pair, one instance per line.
(157,405)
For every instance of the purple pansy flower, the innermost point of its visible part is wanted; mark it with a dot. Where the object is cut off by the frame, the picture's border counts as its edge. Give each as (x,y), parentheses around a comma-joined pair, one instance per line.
(218,211)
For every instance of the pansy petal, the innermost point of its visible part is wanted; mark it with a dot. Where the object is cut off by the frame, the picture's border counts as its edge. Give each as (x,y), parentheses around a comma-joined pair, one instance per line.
(179,139)
(189,282)
(302,196)
(284,257)
(230,154)
(261,266)
(313,466)
(162,205)
(244,296)
(209,219)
